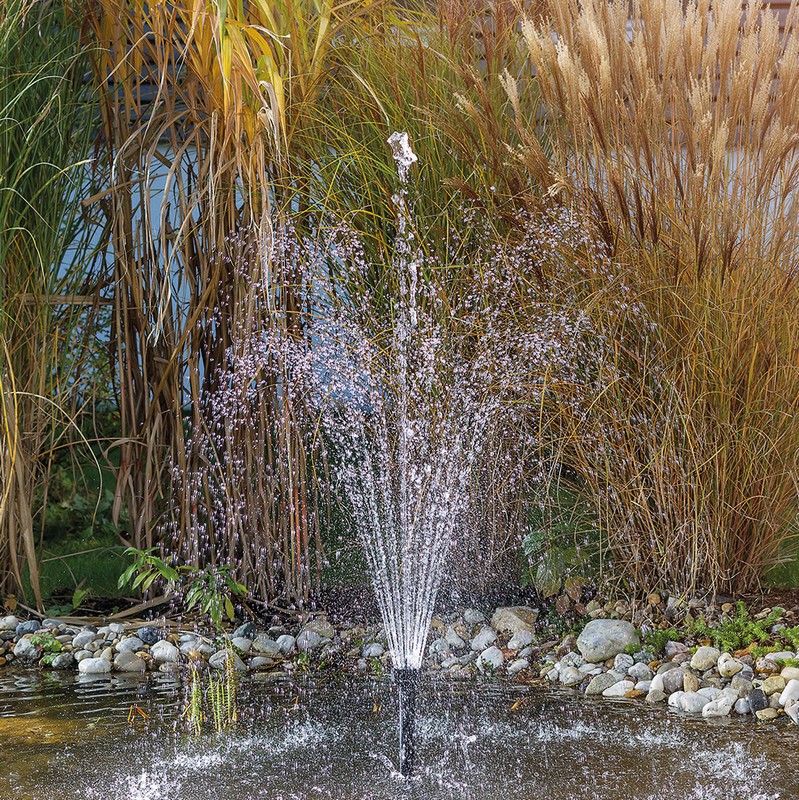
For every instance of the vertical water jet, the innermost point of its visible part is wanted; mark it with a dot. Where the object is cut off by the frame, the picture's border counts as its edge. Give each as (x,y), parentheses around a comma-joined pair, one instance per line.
(407,681)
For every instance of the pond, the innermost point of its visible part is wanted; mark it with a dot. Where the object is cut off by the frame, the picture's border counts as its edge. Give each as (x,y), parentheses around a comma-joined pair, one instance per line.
(68,737)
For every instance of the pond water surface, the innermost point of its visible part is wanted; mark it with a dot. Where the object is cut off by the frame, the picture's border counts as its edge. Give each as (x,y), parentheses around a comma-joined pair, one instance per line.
(65,737)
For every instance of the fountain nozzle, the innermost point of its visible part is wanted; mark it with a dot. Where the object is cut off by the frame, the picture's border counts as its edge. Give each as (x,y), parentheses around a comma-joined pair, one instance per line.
(407,681)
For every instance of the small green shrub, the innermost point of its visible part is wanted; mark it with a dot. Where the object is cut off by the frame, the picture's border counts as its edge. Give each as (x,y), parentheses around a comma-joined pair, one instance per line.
(739,631)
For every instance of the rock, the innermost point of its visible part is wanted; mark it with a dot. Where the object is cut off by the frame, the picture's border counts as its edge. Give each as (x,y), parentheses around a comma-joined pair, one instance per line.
(654,599)
(128,661)
(309,640)
(690,683)
(572,660)
(790,673)
(520,640)
(693,702)
(81,654)
(26,650)
(623,662)
(782,655)
(262,661)
(241,643)
(132,644)
(518,665)
(268,647)
(473,617)
(9,623)
(675,648)
(766,666)
(672,681)
(710,692)
(319,626)
(150,635)
(373,650)
(757,700)
(438,647)
(94,666)
(116,627)
(643,686)
(165,652)
(23,628)
(570,676)
(82,639)
(666,666)
(721,706)
(741,685)
(453,639)
(766,714)
(219,659)
(599,684)
(656,696)
(773,684)
(742,706)
(63,661)
(674,698)
(245,631)
(490,659)
(485,637)
(793,712)
(513,619)
(728,666)
(286,643)
(790,694)
(602,639)
(640,672)
(705,658)
(619,689)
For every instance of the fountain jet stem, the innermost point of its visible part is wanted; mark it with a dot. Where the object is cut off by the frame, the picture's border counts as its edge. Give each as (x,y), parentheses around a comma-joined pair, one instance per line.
(407,681)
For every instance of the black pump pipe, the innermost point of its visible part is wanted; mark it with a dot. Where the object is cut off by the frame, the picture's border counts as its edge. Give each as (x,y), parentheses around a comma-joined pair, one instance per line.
(407,681)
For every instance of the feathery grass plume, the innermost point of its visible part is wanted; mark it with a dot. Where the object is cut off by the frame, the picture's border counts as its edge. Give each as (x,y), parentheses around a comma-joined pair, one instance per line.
(201,104)
(46,289)
(674,132)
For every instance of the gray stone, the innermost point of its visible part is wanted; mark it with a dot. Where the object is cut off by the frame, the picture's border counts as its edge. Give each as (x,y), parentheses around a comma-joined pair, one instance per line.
(693,702)
(513,619)
(9,623)
(82,639)
(94,666)
(619,689)
(26,650)
(790,694)
(485,637)
(656,696)
(219,659)
(623,662)
(31,626)
(666,666)
(643,686)
(245,631)
(309,640)
(572,660)
(721,706)
(81,654)
(490,659)
(518,665)
(453,639)
(705,658)
(520,640)
(473,617)
(672,681)
(150,635)
(262,661)
(117,627)
(64,661)
(741,685)
(131,644)
(600,683)
(128,661)
(602,639)
(640,672)
(438,647)
(373,650)
(711,692)
(728,666)
(675,648)
(757,700)
(286,642)
(241,643)
(570,676)
(742,706)
(164,652)
(793,712)
(268,647)
(319,626)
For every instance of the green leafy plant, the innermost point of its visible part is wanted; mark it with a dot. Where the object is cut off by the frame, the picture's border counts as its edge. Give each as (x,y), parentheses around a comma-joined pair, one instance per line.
(738,631)
(209,589)
(655,640)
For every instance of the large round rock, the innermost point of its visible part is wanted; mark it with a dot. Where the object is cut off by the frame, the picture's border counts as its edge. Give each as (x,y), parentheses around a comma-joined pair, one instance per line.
(602,639)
